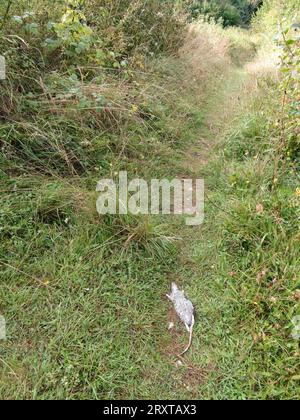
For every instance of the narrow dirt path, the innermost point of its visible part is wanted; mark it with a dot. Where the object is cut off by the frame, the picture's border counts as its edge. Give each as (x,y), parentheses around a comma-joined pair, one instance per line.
(221,108)
(202,375)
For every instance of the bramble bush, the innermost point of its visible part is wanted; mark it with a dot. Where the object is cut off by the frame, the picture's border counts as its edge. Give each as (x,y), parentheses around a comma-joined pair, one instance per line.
(101,32)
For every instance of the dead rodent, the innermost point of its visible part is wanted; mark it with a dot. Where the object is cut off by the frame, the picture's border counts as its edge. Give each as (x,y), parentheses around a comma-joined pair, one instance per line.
(185,310)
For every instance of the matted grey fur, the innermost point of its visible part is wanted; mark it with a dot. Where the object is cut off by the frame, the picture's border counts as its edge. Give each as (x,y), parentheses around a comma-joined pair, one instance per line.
(184,309)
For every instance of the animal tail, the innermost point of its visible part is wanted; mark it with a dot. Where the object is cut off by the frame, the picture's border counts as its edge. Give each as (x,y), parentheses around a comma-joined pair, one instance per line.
(191,338)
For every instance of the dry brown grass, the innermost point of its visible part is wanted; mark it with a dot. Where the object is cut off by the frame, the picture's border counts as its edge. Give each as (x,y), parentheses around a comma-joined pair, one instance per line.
(265,65)
(206,49)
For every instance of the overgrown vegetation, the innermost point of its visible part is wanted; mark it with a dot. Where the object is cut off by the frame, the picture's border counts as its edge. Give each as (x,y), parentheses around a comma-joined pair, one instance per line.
(83,100)
(256,204)
(230,12)
(94,87)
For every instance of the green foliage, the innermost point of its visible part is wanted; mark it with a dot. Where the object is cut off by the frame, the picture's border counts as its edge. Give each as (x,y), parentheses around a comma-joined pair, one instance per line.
(281,23)
(230,12)
(136,28)
(260,228)
(72,33)
(87,94)
(289,41)
(75,108)
(100,32)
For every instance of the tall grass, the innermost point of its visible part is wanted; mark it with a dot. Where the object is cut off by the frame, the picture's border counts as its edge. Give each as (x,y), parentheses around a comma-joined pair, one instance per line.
(255,201)
(82,294)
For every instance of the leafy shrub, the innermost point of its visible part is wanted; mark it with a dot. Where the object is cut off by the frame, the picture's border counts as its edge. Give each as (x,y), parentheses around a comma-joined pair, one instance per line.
(101,32)
(72,32)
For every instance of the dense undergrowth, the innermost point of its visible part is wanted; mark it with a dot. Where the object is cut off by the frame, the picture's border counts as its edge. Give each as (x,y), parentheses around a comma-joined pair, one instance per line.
(229,12)
(82,294)
(94,90)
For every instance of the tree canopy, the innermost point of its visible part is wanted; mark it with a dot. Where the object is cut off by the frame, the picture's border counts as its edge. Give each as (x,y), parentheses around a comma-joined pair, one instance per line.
(232,12)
